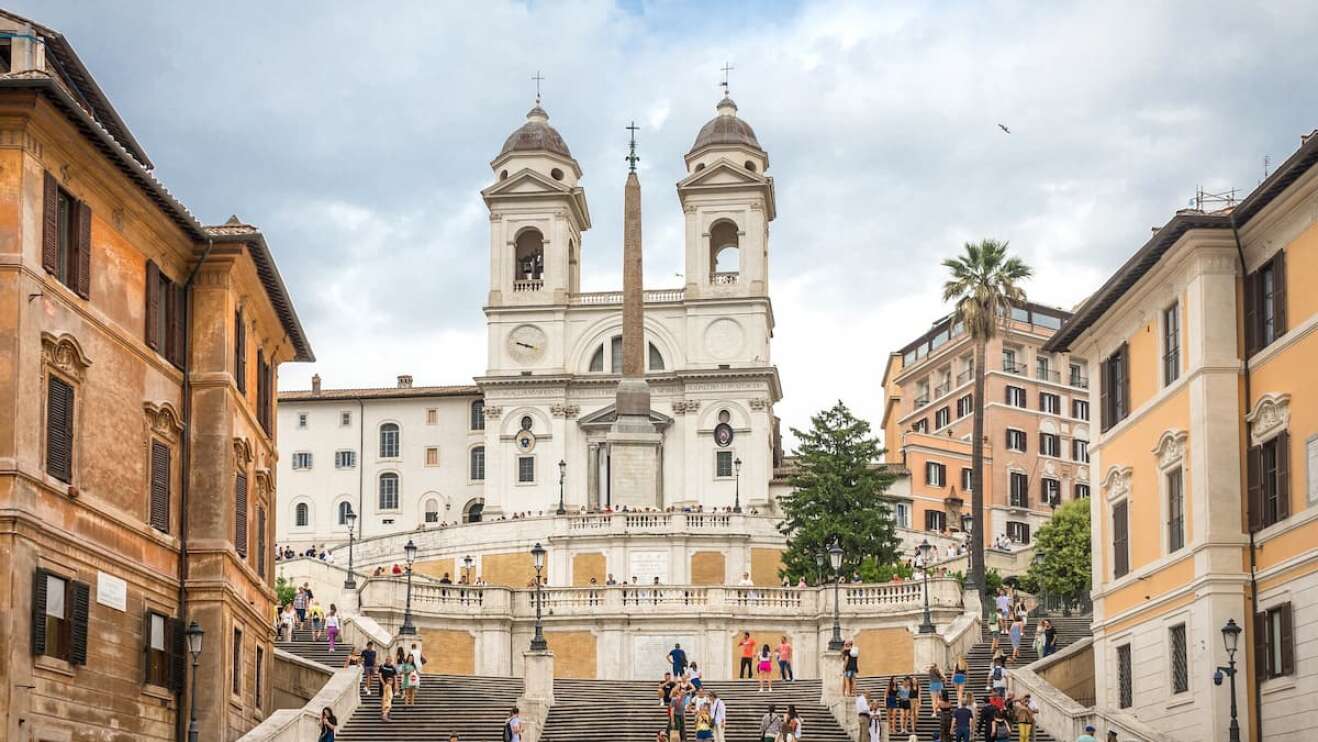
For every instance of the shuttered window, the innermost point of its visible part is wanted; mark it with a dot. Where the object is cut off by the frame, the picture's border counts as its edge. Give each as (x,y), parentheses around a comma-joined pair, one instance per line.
(264,379)
(1265,304)
(260,541)
(1171,344)
(935,521)
(1115,392)
(66,237)
(1175,510)
(239,352)
(240,514)
(935,474)
(155,633)
(1120,540)
(60,610)
(160,486)
(237,662)
(1019,493)
(59,429)
(1274,641)
(260,672)
(164,324)
(1268,480)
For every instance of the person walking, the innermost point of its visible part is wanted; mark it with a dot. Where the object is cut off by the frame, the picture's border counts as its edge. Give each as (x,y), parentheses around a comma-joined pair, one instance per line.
(329,725)
(765,668)
(677,713)
(1000,728)
(286,620)
(300,607)
(1025,709)
(785,660)
(387,674)
(418,658)
(865,717)
(368,666)
(959,673)
(317,619)
(411,679)
(963,718)
(945,708)
(694,676)
(1088,736)
(1015,633)
(791,725)
(512,727)
(719,713)
(677,656)
(332,626)
(998,678)
(771,725)
(936,685)
(850,667)
(1049,637)
(913,716)
(747,645)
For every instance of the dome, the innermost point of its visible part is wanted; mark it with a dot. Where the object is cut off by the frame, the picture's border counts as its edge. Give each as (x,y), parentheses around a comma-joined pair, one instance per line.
(536,135)
(726,129)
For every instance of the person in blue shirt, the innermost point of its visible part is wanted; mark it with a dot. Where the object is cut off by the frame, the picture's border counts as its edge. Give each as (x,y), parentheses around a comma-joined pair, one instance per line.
(1088,736)
(678,658)
(963,718)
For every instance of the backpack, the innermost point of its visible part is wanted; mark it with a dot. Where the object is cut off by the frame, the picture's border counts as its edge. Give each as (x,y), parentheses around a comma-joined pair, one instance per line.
(997,673)
(508,731)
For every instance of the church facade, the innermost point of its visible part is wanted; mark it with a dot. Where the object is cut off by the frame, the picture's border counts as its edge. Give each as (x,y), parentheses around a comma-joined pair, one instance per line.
(534,430)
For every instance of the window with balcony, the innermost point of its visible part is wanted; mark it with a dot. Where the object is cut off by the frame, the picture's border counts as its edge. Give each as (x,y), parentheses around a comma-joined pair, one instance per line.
(935,474)
(1050,444)
(1077,376)
(1015,440)
(920,426)
(724,253)
(1050,403)
(942,418)
(1043,370)
(529,265)
(1009,363)
(1016,397)
(1018,532)
(1019,490)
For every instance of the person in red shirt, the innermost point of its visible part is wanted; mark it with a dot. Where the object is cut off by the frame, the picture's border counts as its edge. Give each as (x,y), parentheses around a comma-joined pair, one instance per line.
(747,645)
(785,660)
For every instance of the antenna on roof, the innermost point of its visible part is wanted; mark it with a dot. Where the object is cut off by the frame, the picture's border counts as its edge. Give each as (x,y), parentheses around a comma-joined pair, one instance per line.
(1267,161)
(1215,201)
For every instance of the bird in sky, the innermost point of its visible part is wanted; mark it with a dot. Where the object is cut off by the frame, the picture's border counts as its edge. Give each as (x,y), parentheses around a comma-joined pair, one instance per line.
(1004,128)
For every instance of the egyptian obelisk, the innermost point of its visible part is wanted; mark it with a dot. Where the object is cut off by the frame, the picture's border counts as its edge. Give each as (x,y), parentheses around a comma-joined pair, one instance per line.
(633,442)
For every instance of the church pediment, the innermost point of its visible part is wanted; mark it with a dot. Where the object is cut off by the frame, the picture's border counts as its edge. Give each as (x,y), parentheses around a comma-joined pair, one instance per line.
(526,181)
(722,173)
(605,417)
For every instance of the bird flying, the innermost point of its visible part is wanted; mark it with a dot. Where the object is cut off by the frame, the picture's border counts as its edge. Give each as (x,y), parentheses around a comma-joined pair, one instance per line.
(1004,128)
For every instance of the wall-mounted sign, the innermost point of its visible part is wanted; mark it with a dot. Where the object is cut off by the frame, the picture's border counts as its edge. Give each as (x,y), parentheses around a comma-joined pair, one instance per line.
(111,591)
(723,435)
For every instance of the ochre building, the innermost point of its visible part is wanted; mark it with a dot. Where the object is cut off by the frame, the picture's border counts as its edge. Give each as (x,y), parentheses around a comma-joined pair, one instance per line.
(138,355)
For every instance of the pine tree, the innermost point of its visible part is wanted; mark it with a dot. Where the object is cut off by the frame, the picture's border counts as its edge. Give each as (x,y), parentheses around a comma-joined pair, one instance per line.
(838,495)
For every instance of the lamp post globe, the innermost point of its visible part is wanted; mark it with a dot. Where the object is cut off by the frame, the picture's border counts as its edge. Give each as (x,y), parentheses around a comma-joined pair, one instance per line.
(538,643)
(351,518)
(926,626)
(409,553)
(835,560)
(562,472)
(1231,642)
(194,635)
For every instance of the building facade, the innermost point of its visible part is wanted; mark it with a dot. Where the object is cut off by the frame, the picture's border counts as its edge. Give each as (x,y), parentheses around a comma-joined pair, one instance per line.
(1036,425)
(539,419)
(136,468)
(1202,349)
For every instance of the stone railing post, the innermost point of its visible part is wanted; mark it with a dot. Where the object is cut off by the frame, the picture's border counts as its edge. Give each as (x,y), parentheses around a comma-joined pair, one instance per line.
(537,692)
(930,649)
(830,695)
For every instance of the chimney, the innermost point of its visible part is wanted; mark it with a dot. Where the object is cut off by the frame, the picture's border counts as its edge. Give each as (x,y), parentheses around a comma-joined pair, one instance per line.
(404,381)
(315,384)
(1304,138)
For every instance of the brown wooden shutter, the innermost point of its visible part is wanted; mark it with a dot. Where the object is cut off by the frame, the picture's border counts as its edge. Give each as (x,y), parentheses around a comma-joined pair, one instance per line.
(39,612)
(146,647)
(1120,541)
(83,285)
(50,225)
(1125,382)
(172,349)
(1260,646)
(176,640)
(1254,486)
(81,608)
(240,514)
(1283,444)
(240,352)
(152,304)
(1286,639)
(1251,314)
(1279,292)
(160,486)
(260,541)
(1105,396)
(59,430)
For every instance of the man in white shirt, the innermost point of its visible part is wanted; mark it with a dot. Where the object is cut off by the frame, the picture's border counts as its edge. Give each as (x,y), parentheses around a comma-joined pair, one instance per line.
(720,716)
(863,715)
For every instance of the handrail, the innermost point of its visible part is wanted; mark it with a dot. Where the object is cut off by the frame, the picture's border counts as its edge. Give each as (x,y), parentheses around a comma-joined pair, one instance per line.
(340,693)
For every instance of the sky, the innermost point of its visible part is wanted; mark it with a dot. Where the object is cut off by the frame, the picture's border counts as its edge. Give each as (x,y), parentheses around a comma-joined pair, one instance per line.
(358,136)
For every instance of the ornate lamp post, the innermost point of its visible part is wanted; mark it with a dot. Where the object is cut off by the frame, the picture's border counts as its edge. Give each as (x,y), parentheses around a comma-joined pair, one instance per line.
(1231,638)
(562,472)
(736,468)
(194,635)
(835,560)
(407,629)
(351,517)
(467,563)
(927,626)
(538,643)
(820,558)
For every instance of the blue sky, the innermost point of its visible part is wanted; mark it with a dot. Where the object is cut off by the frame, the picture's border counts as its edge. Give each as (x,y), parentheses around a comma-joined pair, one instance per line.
(358,137)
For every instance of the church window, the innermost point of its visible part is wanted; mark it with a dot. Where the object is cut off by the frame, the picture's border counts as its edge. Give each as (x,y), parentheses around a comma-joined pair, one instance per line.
(388,491)
(389,441)
(597,361)
(302,515)
(724,252)
(656,359)
(345,507)
(723,464)
(556,174)
(432,511)
(530,260)
(615,355)
(750,166)
(477,463)
(526,422)
(525,469)
(478,415)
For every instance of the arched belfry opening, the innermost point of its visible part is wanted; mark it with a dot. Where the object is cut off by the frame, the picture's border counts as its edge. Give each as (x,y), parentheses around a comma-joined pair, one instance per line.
(724,253)
(529,265)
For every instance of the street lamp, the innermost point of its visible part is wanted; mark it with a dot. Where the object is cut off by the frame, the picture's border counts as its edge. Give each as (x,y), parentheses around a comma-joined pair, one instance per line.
(351,517)
(562,472)
(1231,639)
(927,627)
(820,558)
(835,559)
(194,635)
(538,643)
(736,468)
(409,552)
(467,563)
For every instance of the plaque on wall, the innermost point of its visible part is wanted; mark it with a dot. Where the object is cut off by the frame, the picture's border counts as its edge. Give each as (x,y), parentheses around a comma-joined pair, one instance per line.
(723,435)
(111,591)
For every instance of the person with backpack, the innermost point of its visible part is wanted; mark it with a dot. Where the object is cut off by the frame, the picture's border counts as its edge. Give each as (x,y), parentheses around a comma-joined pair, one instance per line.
(1000,728)
(791,725)
(704,724)
(998,678)
(677,656)
(512,727)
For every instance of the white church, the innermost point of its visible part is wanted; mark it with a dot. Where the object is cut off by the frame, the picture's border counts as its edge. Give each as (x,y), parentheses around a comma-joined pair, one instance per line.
(533,432)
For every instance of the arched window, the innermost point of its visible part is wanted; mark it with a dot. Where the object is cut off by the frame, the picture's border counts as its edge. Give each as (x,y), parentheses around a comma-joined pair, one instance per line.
(656,359)
(472,513)
(345,507)
(478,415)
(529,265)
(724,252)
(302,515)
(597,361)
(432,510)
(478,463)
(389,441)
(654,363)
(388,491)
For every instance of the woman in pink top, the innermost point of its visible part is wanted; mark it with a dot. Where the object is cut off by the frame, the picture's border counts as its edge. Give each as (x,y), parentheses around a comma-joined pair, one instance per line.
(785,660)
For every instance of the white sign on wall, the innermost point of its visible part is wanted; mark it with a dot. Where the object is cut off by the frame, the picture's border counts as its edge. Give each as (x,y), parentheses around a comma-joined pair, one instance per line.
(647,565)
(111,591)
(650,654)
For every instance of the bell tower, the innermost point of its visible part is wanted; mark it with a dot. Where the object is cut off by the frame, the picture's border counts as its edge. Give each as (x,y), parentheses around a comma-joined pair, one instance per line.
(537,214)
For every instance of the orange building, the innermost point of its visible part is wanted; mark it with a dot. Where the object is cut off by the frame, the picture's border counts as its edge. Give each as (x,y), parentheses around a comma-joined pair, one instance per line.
(138,355)
(1204,350)
(1036,425)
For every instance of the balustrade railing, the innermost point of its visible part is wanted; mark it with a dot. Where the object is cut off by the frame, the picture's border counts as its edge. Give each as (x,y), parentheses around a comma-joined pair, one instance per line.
(528,284)
(724,279)
(652,296)
(1044,374)
(1080,382)
(1015,368)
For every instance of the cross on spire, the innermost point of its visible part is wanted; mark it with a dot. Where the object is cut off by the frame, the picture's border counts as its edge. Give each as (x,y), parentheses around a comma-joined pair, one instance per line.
(726,69)
(632,158)
(538,78)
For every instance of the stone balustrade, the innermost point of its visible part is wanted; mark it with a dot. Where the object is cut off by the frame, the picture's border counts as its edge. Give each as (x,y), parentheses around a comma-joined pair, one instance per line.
(652,296)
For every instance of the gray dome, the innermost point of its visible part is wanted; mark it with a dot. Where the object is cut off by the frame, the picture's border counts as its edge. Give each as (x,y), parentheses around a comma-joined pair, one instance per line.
(726,129)
(536,135)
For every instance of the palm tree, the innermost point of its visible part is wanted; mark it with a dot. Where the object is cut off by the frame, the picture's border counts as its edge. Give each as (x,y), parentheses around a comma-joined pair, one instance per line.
(984,286)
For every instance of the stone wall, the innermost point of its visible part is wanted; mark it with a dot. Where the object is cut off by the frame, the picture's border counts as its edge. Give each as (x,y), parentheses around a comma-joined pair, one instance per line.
(450,651)
(1073,675)
(295,681)
(709,568)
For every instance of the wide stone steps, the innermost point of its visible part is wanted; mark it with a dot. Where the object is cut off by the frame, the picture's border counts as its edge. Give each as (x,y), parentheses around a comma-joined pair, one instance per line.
(474,708)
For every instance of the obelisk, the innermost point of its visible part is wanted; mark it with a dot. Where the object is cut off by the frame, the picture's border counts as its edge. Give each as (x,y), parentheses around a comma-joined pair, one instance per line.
(633,443)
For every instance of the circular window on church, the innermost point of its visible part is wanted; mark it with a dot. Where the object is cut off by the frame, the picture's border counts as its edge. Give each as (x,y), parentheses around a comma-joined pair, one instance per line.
(724,416)
(750,166)
(700,167)
(556,174)
(503,175)
(526,423)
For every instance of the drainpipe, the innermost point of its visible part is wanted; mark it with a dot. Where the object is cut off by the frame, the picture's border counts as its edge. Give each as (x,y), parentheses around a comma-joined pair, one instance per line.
(1257,716)
(185,465)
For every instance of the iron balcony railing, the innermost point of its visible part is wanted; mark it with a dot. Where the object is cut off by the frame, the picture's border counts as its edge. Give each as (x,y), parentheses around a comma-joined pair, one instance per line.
(1015,368)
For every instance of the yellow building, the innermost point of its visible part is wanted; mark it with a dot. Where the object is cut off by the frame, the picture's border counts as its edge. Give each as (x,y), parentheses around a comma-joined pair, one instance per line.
(1204,356)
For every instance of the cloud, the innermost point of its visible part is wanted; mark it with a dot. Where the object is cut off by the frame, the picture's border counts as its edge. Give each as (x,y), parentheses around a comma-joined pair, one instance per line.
(359,139)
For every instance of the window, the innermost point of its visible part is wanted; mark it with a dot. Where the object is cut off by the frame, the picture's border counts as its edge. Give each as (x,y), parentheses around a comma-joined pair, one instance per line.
(237,661)
(1009,361)
(59,617)
(260,541)
(724,251)
(260,670)
(525,423)
(1079,409)
(967,479)
(477,464)
(165,302)
(723,464)
(432,511)
(432,456)
(432,416)
(478,415)
(1051,490)
(345,507)
(902,515)
(656,359)
(921,425)
(1171,344)
(1042,365)
(530,260)
(1265,304)
(301,460)
(1080,450)
(1078,375)
(345,419)
(1116,387)
(1020,490)
(525,469)
(159,515)
(615,354)
(1015,440)
(66,238)
(1180,659)
(1125,687)
(965,406)
(1268,474)
(265,382)
(240,514)
(1050,444)
(302,419)
(942,417)
(157,650)
(1050,403)
(59,429)
(1120,540)
(1274,640)
(302,515)
(388,491)
(935,520)
(935,474)
(1016,396)
(345,459)
(1175,510)
(389,441)
(239,345)
(1018,532)
(1081,490)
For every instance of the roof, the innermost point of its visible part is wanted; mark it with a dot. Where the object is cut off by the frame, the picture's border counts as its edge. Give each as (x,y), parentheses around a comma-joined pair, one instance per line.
(726,129)
(536,135)
(465,390)
(235,232)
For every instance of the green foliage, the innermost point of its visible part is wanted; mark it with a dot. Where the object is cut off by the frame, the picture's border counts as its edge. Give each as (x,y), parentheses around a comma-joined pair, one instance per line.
(837,495)
(993,580)
(872,571)
(984,285)
(284,591)
(1062,552)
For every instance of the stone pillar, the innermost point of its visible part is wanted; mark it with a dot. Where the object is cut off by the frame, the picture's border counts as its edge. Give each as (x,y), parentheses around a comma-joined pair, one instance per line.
(830,696)
(930,649)
(537,693)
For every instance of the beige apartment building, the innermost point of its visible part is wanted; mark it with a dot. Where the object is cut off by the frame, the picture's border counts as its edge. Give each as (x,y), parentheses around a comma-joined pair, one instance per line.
(1036,425)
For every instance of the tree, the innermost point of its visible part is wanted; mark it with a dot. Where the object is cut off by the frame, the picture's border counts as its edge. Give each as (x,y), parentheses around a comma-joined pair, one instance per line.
(984,287)
(1062,552)
(837,494)
(284,591)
